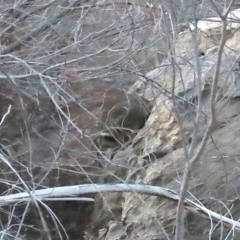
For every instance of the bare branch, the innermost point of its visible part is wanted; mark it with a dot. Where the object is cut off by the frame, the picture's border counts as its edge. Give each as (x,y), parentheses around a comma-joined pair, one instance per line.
(50,194)
(45,25)
(27,15)
(194,157)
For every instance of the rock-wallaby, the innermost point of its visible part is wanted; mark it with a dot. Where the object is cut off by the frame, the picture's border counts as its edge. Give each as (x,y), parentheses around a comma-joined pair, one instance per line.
(121,123)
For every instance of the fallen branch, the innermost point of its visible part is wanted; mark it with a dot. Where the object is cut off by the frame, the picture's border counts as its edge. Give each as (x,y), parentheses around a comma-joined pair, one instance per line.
(50,194)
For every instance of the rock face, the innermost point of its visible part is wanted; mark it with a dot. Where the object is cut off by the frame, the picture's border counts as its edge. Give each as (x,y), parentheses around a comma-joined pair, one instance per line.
(157,156)
(49,117)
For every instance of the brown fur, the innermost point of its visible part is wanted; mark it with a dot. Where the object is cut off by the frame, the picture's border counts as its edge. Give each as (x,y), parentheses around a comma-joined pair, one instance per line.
(121,123)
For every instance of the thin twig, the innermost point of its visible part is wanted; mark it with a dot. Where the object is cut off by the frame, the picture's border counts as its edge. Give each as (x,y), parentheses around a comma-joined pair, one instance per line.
(26,15)
(190,163)
(5,115)
(45,25)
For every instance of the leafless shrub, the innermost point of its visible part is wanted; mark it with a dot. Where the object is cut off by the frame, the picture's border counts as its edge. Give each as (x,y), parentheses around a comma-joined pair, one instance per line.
(61,64)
